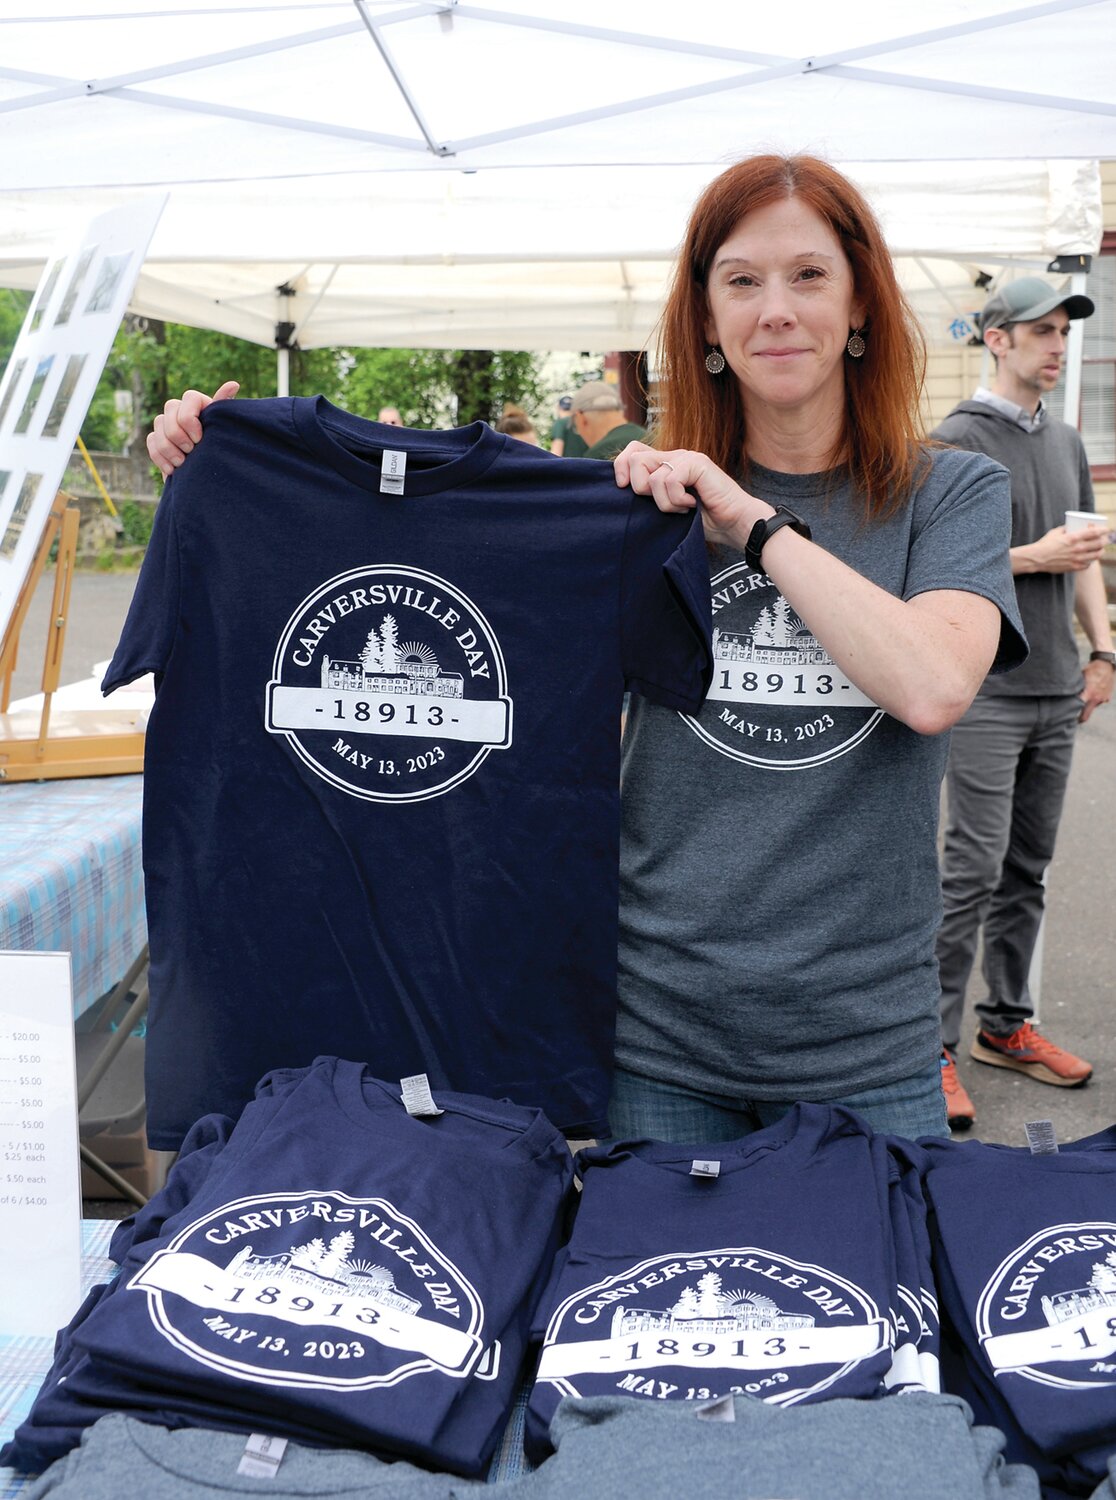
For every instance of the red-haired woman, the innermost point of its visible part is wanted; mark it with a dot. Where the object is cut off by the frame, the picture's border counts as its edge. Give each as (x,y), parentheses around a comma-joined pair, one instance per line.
(779,883)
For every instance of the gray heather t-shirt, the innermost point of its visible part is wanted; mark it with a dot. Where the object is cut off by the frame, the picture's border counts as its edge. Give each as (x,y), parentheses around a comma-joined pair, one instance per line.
(779,880)
(1049,475)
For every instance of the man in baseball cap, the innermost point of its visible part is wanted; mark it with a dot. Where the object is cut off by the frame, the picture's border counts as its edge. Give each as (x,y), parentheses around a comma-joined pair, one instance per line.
(1010,754)
(598,416)
(1027,300)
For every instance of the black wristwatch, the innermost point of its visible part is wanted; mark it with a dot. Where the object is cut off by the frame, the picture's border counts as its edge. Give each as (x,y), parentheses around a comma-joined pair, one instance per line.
(1108,656)
(762,532)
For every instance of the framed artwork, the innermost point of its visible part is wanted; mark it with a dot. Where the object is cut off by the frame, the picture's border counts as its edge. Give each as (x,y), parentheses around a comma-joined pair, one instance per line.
(53,372)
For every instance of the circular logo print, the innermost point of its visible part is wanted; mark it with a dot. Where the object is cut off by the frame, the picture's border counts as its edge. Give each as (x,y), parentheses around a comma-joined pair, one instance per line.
(776,699)
(389,683)
(723,1322)
(1049,1311)
(317,1290)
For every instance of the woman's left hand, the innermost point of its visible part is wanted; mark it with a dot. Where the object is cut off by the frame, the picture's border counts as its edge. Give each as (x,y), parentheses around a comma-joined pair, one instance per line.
(728,512)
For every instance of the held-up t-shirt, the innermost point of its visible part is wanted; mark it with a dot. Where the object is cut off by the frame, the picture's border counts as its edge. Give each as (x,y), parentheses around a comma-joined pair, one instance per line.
(381,809)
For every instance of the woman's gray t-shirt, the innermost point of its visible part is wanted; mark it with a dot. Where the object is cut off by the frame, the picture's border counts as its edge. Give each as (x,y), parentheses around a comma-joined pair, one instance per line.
(779,892)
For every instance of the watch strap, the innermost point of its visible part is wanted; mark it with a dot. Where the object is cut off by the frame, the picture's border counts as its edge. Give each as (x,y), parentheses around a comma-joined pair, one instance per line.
(762,532)
(1108,656)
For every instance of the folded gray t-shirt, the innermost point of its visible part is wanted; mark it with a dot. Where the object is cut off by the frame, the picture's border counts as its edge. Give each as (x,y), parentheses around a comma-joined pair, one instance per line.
(918,1446)
(119,1456)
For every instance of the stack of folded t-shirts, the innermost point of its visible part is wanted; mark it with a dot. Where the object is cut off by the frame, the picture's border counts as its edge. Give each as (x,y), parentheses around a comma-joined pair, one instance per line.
(789,1266)
(1025,1258)
(333,1269)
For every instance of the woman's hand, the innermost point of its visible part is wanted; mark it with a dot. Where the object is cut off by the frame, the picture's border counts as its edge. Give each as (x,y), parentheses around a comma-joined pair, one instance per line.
(177,429)
(728,512)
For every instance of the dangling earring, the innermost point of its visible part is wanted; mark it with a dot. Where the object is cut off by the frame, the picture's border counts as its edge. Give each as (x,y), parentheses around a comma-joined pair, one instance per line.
(856,345)
(715,361)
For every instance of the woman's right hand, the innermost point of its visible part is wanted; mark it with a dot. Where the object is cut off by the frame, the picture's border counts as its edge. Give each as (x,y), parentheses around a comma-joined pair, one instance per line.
(177,429)
(672,479)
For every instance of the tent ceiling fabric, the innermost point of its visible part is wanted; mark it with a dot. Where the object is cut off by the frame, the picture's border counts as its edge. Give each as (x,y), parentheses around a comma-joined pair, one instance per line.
(283,89)
(504,259)
(518,176)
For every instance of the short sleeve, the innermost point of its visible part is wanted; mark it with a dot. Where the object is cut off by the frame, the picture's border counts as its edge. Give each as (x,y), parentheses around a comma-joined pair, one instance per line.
(961,539)
(666,610)
(149,630)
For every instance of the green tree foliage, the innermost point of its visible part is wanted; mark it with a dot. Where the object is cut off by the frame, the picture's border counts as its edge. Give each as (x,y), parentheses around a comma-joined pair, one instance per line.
(13,310)
(441,387)
(153,360)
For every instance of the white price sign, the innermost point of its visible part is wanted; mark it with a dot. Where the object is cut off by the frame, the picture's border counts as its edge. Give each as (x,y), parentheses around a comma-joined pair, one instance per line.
(40,1182)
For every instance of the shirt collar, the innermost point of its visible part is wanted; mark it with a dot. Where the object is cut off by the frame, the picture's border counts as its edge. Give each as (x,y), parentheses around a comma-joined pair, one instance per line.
(1017,414)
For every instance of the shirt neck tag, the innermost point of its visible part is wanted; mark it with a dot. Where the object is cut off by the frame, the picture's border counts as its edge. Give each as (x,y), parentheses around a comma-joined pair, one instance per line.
(393,472)
(262,1456)
(721,1409)
(417,1098)
(1041,1137)
(708,1169)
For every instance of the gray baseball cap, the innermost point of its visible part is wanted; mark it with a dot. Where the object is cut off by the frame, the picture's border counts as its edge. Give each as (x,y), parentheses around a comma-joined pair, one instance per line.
(1024,301)
(597,395)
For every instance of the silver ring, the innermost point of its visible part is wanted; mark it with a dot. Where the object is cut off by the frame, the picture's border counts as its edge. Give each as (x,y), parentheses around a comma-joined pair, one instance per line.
(665,465)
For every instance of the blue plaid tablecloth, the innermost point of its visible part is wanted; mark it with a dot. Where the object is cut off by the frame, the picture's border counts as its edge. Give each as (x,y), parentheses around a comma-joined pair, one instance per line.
(71,875)
(24,1361)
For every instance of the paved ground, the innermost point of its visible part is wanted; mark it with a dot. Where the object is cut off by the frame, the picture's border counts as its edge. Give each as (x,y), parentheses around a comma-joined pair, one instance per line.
(98,604)
(1078,1004)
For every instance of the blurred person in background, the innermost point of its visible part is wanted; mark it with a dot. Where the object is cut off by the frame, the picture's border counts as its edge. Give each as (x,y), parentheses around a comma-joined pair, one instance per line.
(516,423)
(598,417)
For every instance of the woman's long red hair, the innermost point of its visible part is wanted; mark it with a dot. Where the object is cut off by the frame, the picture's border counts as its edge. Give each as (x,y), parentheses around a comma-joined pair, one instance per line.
(883,432)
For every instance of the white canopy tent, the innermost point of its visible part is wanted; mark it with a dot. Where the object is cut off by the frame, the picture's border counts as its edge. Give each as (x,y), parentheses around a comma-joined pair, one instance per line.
(450,175)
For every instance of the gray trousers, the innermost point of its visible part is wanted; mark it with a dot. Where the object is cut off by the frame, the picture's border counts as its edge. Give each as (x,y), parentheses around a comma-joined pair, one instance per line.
(1009,762)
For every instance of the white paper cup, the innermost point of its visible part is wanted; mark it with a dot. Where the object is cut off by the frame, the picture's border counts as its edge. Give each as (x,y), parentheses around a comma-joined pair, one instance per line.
(1077,520)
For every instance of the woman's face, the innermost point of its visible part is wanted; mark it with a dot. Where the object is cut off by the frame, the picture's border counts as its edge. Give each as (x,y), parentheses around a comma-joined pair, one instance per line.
(781,303)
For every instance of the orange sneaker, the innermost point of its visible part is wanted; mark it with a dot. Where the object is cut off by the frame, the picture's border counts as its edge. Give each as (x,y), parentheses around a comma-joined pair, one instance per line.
(1028,1051)
(959,1107)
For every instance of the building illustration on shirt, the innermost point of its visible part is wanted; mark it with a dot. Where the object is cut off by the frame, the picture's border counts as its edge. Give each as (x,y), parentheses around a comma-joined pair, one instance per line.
(324,1268)
(706,1309)
(384,666)
(1080,1301)
(777,638)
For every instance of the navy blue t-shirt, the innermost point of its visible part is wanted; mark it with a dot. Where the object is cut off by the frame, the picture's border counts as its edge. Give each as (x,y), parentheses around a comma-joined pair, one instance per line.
(381,813)
(341,1273)
(1026,1254)
(762,1267)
